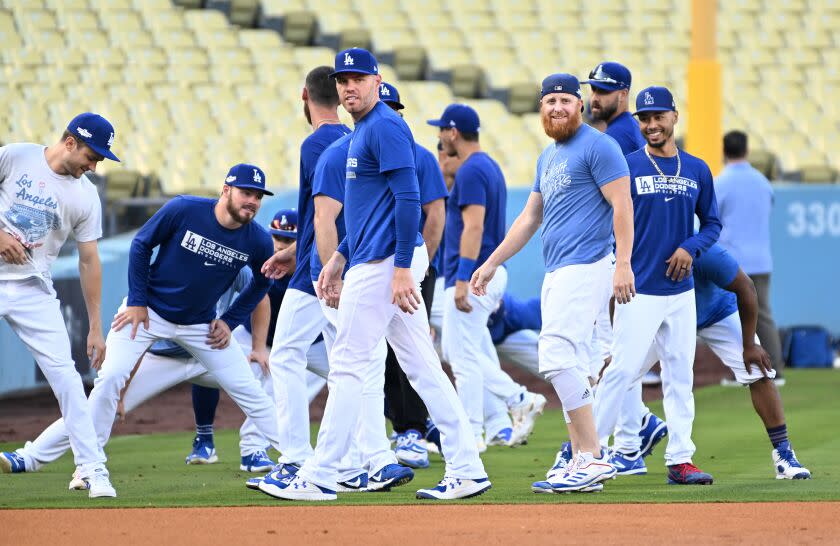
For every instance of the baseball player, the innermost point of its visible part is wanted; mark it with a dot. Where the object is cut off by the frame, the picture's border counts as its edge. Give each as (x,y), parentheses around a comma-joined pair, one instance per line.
(386,261)
(727,314)
(581,184)
(253,337)
(475,225)
(300,320)
(44,197)
(404,407)
(664,249)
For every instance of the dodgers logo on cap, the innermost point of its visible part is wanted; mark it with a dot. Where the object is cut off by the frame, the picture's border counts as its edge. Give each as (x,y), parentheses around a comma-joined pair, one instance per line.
(458,116)
(284,223)
(390,96)
(95,131)
(356,60)
(247,176)
(655,99)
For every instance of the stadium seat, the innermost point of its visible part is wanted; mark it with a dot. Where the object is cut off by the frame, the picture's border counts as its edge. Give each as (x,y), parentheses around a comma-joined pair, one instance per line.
(765,162)
(244,12)
(299,28)
(354,38)
(523,97)
(468,81)
(810,174)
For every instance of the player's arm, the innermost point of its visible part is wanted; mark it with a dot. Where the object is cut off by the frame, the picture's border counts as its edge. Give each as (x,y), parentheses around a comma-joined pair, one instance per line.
(473,218)
(745,293)
(403,184)
(260,319)
(617,194)
(90,277)
(435,212)
(707,211)
(327,210)
(523,228)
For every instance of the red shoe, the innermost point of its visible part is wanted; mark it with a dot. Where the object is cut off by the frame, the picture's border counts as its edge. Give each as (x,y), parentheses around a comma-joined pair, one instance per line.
(687,474)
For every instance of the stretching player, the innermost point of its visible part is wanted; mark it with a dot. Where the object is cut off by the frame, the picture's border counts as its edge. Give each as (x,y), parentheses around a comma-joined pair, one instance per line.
(45,196)
(581,182)
(253,337)
(300,320)
(387,260)
(663,253)
(475,225)
(727,316)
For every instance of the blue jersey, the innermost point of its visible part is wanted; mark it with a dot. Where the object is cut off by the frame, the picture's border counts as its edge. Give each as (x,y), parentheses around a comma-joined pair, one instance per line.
(432,187)
(713,272)
(329,181)
(197,262)
(663,210)
(513,315)
(625,130)
(577,219)
(310,151)
(479,181)
(381,177)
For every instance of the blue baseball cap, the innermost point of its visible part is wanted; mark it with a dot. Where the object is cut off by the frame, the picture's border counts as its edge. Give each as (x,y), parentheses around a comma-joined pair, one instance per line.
(561,83)
(95,131)
(357,60)
(247,176)
(610,76)
(389,94)
(654,99)
(458,116)
(284,224)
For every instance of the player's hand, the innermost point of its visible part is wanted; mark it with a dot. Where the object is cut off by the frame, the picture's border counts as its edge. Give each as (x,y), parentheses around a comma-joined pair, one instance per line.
(219,335)
(679,265)
(404,291)
(11,250)
(480,279)
(260,356)
(96,348)
(121,411)
(329,283)
(624,283)
(280,264)
(756,355)
(133,315)
(462,296)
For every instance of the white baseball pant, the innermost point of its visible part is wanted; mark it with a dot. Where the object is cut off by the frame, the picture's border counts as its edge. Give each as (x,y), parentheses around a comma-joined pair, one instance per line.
(519,348)
(34,314)
(366,314)
(468,348)
(670,322)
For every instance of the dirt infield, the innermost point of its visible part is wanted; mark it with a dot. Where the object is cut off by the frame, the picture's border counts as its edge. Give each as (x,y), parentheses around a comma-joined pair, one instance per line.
(778,523)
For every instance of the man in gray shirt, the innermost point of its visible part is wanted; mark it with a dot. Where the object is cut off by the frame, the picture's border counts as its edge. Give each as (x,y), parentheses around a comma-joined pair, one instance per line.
(745,200)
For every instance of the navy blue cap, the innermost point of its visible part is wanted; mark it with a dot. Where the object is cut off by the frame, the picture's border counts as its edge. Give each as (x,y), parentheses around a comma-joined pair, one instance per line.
(654,99)
(357,60)
(458,116)
(95,131)
(388,93)
(247,176)
(561,83)
(610,76)
(285,224)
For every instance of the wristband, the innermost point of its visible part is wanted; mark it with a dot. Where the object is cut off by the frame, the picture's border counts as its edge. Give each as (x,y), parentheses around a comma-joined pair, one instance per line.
(466,266)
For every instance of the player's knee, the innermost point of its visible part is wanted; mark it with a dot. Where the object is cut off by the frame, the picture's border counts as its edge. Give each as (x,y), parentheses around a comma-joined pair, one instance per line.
(572,388)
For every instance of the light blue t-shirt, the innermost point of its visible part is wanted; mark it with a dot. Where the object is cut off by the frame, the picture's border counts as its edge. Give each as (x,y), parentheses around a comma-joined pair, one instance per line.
(714,270)
(577,219)
(744,199)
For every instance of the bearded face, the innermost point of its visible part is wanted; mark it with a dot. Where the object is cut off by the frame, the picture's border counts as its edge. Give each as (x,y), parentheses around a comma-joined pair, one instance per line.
(561,116)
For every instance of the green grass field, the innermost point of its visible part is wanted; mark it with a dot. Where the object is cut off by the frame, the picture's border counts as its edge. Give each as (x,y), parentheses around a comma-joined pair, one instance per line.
(731,445)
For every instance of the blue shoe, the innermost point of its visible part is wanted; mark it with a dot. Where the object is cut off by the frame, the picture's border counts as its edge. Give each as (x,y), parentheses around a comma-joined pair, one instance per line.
(391,475)
(279,471)
(653,430)
(561,461)
(256,462)
(11,463)
(502,438)
(787,466)
(687,474)
(433,435)
(410,452)
(203,452)
(296,488)
(544,487)
(626,466)
(359,483)
(455,488)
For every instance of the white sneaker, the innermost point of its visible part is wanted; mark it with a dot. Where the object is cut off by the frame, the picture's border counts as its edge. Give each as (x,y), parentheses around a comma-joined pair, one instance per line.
(787,465)
(524,416)
(585,471)
(299,489)
(410,452)
(77,483)
(99,484)
(454,488)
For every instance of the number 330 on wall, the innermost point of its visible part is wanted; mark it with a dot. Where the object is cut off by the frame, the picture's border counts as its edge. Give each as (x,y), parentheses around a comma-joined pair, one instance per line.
(814,219)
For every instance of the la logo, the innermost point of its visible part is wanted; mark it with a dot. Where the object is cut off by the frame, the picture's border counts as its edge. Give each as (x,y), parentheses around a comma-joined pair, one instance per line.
(257,177)
(348,60)
(648,98)
(384,90)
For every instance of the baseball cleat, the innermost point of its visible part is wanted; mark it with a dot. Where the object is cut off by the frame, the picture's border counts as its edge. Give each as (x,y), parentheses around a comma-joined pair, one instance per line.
(562,461)
(256,462)
(280,470)
(626,465)
(12,463)
(410,452)
(544,487)
(389,476)
(787,466)
(653,431)
(357,484)
(76,481)
(524,415)
(99,484)
(502,438)
(586,470)
(203,452)
(687,474)
(454,488)
(296,488)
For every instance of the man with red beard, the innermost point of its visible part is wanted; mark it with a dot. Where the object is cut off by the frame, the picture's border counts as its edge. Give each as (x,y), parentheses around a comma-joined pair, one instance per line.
(582,183)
